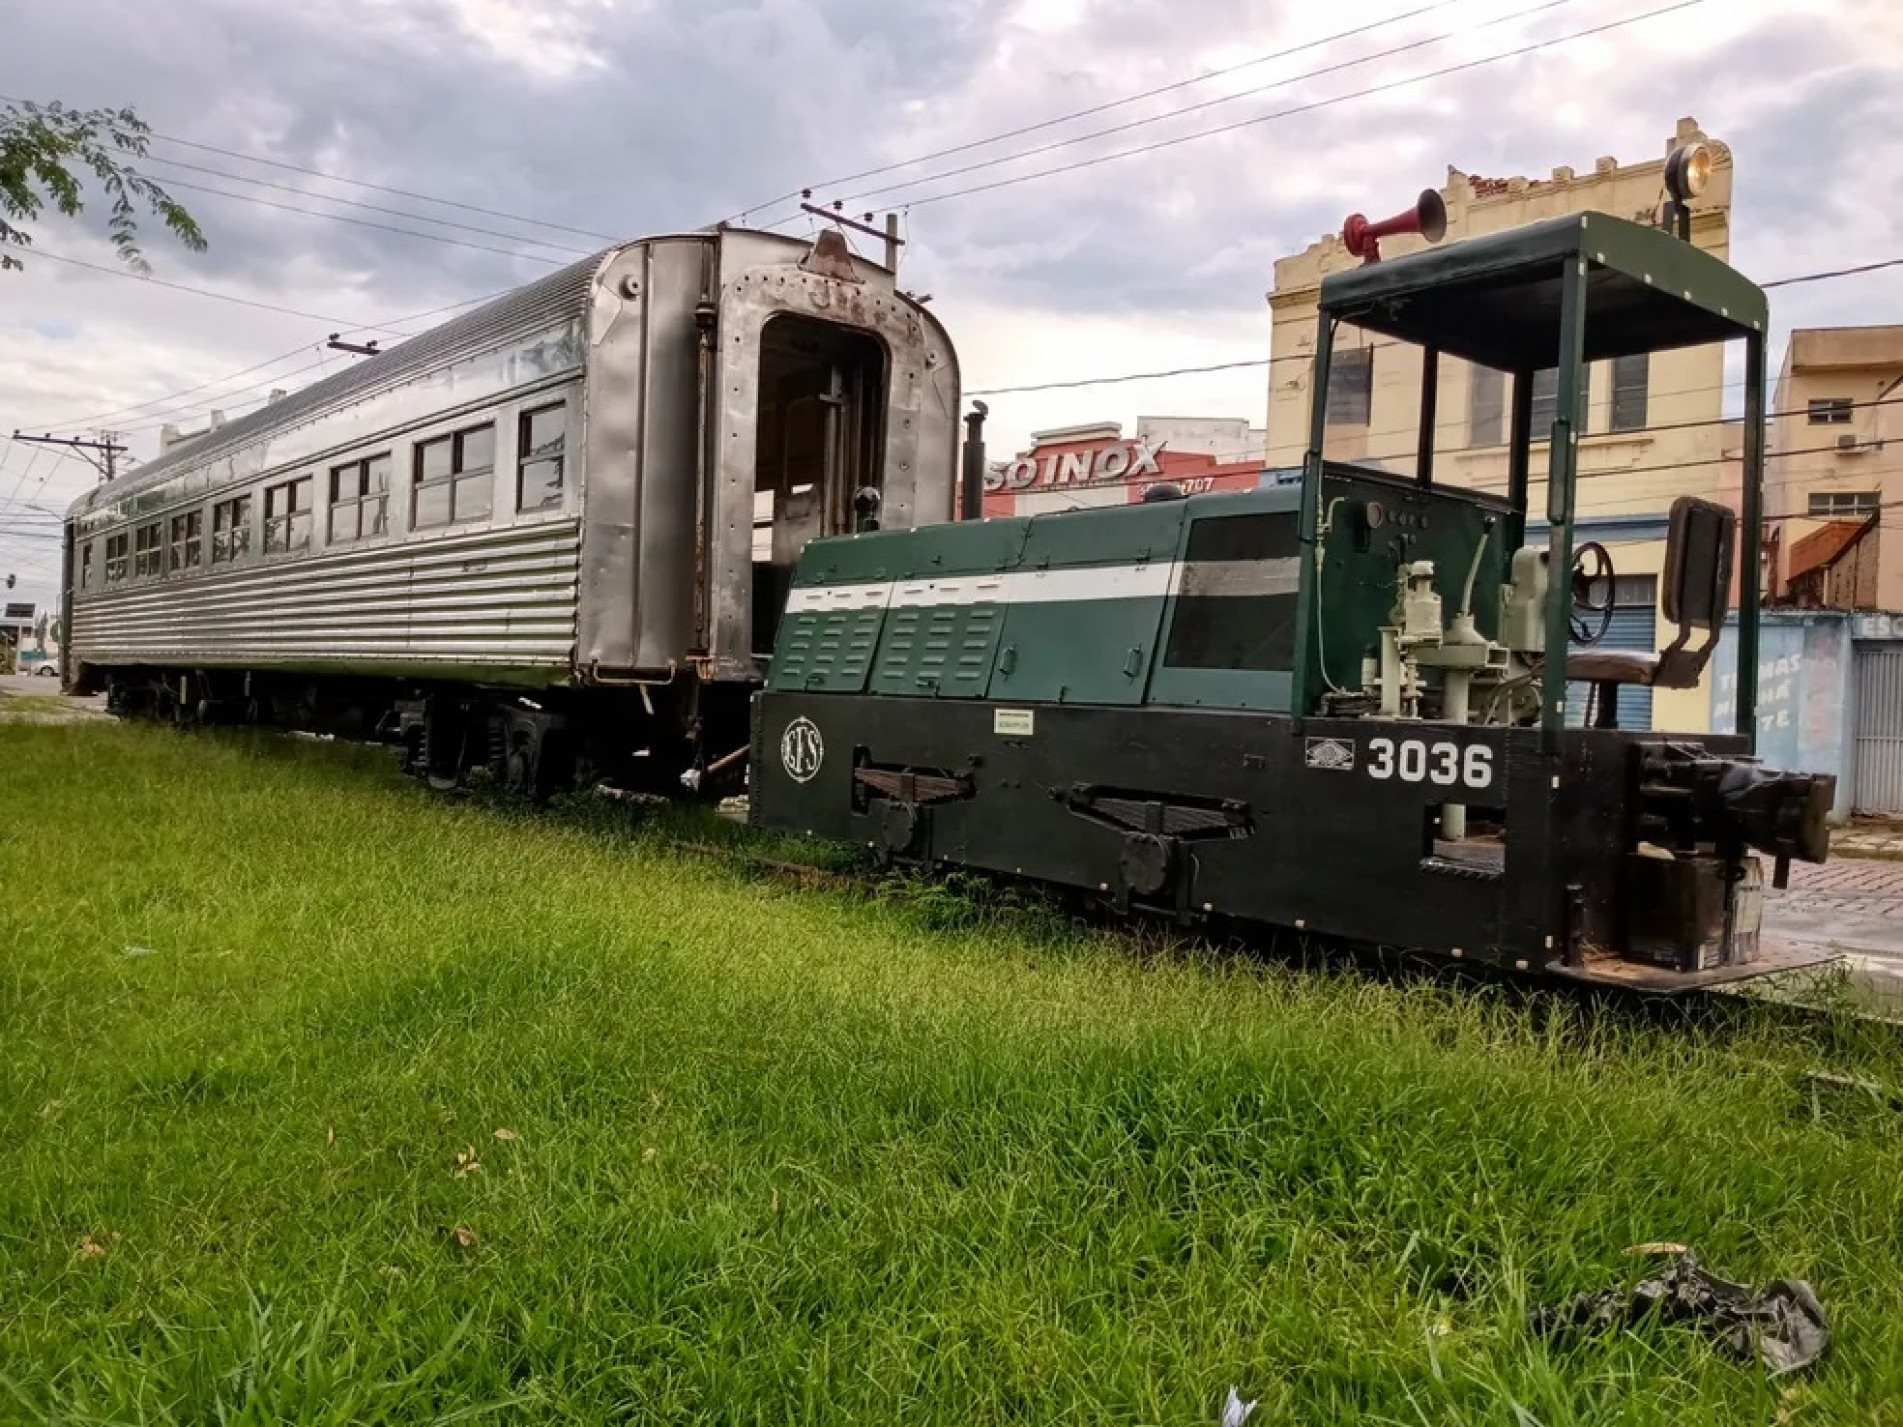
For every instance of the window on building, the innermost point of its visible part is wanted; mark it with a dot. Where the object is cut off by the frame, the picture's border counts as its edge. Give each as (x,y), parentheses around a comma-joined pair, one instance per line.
(148,550)
(1834,503)
(538,478)
(1631,380)
(1546,401)
(1350,386)
(287,516)
(188,544)
(116,548)
(359,498)
(230,529)
(86,566)
(1829,411)
(455,477)
(1486,406)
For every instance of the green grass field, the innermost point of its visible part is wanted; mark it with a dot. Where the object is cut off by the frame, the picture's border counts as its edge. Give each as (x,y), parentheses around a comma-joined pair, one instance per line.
(325,1100)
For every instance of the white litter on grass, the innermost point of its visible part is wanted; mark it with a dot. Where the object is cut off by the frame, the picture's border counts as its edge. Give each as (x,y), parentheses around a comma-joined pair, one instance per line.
(1235,1411)
(140,951)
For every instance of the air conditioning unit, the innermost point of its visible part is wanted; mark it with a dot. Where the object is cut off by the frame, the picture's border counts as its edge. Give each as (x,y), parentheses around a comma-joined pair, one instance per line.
(1849,443)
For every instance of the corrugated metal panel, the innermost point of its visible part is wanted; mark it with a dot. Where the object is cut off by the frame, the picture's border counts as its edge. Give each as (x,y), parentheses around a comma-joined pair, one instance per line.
(1879,728)
(525,311)
(500,599)
(1634,626)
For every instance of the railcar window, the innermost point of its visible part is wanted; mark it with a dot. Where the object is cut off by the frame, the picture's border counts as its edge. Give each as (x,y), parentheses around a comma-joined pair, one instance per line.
(86,566)
(1235,607)
(454,477)
(116,546)
(188,545)
(230,529)
(148,553)
(287,516)
(538,472)
(359,498)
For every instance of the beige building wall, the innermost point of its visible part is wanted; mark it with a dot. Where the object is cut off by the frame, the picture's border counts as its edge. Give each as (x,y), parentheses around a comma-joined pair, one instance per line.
(1832,457)
(1673,443)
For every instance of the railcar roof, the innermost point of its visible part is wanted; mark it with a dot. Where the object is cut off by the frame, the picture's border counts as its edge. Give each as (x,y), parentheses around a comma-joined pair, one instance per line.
(1495,298)
(524,309)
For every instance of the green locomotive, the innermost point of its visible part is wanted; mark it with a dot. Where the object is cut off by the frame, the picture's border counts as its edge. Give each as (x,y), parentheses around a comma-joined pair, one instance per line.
(1338,707)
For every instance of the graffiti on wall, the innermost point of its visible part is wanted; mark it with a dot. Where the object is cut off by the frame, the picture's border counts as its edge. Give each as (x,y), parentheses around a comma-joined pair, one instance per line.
(1802,671)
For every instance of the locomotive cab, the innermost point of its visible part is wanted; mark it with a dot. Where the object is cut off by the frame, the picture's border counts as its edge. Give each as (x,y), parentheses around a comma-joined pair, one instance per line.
(1643,839)
(1380,706)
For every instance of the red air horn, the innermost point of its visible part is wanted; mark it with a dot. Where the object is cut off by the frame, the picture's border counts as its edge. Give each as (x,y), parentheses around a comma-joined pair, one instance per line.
(1428,217)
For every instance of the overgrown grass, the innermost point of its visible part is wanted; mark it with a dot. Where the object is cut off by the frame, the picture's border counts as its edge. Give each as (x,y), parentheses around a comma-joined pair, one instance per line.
(33,704)
(781,1155)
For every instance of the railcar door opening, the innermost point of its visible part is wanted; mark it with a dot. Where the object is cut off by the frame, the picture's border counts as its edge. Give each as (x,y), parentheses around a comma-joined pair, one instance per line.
(823,393)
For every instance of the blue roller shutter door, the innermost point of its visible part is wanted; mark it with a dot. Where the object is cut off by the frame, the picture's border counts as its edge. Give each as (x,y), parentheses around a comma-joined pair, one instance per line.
(1634,626)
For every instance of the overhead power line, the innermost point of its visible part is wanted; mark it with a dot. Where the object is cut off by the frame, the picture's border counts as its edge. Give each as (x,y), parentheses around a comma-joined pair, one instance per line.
(1308,357)
(37,253)
(371,223)
(393,327)
(1319,104)
(1834,273)
(1215,103)
(569,248)
(379,188)
(1102,108)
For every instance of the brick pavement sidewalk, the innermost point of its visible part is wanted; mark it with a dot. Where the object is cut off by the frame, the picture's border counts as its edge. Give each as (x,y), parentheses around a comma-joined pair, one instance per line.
(1862,885)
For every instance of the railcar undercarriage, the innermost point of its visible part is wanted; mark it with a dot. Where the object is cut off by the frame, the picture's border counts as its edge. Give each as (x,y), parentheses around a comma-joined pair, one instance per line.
(664,737)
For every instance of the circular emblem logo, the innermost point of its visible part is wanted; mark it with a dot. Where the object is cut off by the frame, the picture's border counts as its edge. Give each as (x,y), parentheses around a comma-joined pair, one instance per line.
(802,750)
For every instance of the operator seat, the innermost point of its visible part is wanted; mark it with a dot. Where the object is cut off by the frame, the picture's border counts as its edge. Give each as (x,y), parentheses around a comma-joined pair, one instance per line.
(1697,584)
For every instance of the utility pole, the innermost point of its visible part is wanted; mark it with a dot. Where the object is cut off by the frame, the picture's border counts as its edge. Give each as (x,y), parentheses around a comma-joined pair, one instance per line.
(103,453)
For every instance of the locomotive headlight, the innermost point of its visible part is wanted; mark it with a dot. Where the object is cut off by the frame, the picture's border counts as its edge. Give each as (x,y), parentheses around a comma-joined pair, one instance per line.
(1687,171)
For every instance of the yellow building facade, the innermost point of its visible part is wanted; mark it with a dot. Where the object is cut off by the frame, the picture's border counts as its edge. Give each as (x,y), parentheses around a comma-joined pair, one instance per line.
(1654,427)
(1836,409)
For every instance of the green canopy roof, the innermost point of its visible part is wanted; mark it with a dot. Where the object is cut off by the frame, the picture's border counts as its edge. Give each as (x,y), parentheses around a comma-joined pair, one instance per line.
(1495,298)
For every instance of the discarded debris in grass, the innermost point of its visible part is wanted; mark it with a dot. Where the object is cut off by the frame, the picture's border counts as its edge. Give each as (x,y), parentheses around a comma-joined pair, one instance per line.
(1781,1324)
(1235,1411)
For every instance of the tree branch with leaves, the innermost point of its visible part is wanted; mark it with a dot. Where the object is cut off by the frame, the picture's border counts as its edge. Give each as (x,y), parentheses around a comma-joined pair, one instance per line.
(46,153)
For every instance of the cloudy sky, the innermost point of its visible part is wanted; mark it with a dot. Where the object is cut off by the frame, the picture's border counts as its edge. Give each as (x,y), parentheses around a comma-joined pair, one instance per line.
(593,119)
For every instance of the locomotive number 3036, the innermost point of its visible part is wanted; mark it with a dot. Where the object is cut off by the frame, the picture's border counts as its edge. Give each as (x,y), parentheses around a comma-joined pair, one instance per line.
(1413,760)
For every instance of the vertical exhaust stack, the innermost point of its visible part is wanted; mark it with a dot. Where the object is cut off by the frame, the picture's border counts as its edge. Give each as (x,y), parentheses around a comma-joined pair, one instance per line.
(971,494)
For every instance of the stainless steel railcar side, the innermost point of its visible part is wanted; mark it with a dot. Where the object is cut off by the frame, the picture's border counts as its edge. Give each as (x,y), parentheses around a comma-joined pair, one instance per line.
(712,400)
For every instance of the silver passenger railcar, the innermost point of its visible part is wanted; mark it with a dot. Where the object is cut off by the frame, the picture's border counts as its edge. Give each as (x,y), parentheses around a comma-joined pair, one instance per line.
(553,536)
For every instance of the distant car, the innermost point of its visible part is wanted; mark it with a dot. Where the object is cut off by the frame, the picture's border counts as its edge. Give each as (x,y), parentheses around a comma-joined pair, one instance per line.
(47,671)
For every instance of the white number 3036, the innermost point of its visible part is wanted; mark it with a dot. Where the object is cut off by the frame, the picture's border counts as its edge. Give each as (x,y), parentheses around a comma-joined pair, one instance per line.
(1416,762)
